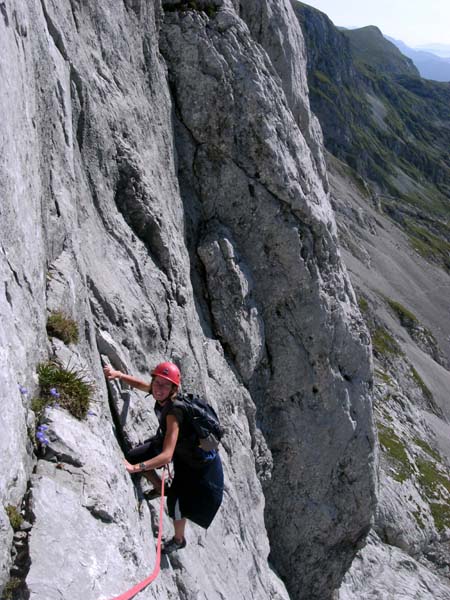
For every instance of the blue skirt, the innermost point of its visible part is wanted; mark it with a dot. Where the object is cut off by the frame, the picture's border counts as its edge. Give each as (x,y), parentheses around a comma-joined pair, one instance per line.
(199,491)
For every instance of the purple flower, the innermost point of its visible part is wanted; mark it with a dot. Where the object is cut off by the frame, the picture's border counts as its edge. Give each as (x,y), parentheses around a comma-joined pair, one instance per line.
(41,435)
(91,413)
(23,390)
(54,392)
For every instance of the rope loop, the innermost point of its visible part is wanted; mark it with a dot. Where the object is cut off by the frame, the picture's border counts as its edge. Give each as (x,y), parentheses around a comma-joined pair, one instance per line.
(145,582)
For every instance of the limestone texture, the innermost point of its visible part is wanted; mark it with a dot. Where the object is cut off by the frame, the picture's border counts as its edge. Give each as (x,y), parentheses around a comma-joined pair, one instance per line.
(163,185)
(407,555)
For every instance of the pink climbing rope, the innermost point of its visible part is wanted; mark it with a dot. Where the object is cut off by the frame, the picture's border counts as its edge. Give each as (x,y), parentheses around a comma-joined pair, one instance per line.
(145,582)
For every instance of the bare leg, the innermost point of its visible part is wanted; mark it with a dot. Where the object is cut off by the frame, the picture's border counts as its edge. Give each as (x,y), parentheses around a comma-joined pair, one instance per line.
(179,526)
(178,542)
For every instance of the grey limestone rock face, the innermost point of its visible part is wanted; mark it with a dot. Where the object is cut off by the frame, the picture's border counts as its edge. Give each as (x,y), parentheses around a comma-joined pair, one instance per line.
(273,24)
(244,166)
(157,188)
(236,317)
(402,298)
(386,572)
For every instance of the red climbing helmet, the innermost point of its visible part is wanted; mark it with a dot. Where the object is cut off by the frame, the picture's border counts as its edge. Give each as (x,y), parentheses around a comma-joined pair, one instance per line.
(169,371)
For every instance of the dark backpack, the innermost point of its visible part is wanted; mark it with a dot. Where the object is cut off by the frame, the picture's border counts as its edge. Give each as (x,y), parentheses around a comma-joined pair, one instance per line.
(203,419)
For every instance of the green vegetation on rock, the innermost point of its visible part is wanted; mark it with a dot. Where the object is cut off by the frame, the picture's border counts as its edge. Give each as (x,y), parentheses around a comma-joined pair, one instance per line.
(406,317)
(371,48)
(9,591)
(68,387)
(436,487)
(383,376)
(429,245)
(421,335)
(420,382)
(432,479)
(388,124)
(14,516)
(363,305)
(62,327)
(428,449)
(441,515)
(384,344)
(395,449)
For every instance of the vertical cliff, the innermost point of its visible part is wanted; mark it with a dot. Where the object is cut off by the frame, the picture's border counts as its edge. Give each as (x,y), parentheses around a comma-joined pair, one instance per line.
(163,186)
(387,132)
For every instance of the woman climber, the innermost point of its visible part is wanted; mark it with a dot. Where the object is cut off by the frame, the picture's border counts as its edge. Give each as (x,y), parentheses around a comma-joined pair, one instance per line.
(197,488)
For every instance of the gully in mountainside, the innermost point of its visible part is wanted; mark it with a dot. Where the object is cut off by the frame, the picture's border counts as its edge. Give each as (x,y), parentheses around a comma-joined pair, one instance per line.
(197,488)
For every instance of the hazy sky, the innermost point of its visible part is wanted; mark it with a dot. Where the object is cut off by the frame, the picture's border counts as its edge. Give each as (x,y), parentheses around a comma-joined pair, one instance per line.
(411,21)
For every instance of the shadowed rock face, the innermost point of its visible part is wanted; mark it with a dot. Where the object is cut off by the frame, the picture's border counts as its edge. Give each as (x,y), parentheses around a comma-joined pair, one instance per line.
(261,214)
(163,184)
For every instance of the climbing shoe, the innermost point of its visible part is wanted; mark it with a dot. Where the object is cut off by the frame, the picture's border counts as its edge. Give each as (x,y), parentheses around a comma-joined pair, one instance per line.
(172,545)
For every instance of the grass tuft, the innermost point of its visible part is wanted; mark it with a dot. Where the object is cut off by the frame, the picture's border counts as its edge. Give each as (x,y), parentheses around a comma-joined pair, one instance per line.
(384,344)
(39,404)
(10,588)
(68,387)
(14,516)
(406,317)
(363,305)
(62,327)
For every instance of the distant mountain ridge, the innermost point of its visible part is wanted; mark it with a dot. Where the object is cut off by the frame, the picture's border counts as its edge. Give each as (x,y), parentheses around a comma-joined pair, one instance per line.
(386,122)
(430,65)
(442,50)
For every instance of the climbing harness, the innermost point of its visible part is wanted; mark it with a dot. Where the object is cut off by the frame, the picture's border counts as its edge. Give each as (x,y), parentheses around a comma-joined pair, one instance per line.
(131,593)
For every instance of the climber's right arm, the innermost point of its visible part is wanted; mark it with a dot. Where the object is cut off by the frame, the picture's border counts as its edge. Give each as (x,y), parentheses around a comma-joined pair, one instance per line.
(130,380)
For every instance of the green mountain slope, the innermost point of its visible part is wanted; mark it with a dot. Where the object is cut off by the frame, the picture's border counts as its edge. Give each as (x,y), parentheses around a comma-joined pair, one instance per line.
(370,47)
(389,125)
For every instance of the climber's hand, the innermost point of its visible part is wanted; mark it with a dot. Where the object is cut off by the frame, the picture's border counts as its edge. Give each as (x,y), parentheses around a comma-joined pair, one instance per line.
(110,373)
(131,468)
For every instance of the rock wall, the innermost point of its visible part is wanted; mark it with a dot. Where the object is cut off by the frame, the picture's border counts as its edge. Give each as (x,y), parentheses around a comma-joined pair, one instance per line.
(163,185)
(403,304)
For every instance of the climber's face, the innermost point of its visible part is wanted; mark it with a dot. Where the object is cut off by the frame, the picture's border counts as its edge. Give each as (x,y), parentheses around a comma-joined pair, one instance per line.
(161,389)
